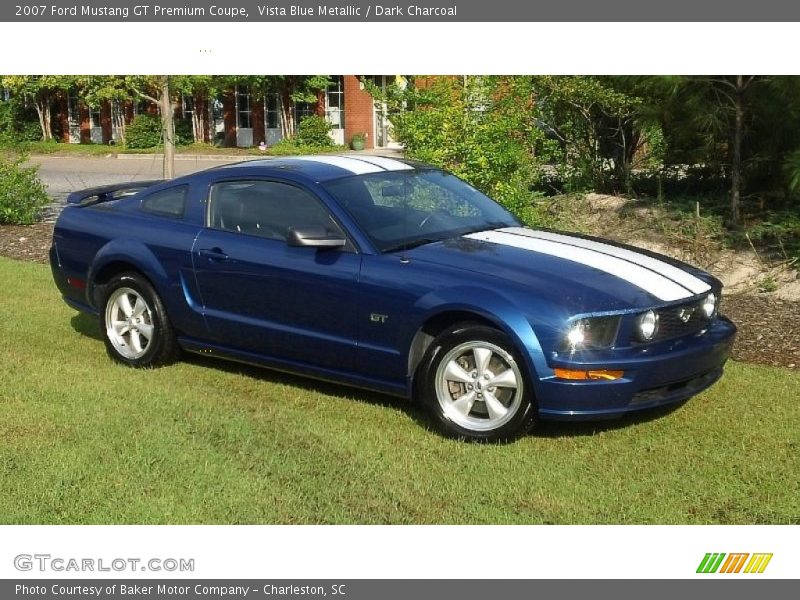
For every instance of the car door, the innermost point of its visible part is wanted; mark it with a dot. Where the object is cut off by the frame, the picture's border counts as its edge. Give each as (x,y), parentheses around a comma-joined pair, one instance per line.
(263,296)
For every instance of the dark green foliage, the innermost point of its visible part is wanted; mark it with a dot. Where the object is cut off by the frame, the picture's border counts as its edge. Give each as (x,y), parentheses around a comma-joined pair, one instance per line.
(22,195)
(291,147)
(17,123)
(313,131)
(184,135)
(145,132)
(480,129)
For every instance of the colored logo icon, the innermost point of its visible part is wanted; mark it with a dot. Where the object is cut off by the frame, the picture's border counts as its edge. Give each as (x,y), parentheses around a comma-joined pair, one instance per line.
(716,562)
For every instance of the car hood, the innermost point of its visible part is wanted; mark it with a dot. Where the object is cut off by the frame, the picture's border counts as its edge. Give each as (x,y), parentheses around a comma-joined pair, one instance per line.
(579,273)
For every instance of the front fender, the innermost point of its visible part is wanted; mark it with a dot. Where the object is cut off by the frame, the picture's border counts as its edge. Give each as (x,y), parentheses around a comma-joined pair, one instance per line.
(491,306)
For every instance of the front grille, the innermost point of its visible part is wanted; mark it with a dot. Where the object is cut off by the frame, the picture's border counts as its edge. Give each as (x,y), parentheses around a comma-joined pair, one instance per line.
(678,321)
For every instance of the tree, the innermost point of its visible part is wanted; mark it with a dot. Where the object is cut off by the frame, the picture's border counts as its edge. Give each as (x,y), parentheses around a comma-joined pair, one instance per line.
(292,89)
(481,128)
(201,88)
(595,125)
(41,91)
(153,88)
(98,89)
(720,111)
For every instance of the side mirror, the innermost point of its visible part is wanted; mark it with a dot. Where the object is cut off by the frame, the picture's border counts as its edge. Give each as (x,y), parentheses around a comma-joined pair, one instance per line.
(315,237)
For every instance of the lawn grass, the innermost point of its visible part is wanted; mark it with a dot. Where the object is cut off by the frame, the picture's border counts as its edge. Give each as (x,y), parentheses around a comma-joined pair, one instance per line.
(83,440)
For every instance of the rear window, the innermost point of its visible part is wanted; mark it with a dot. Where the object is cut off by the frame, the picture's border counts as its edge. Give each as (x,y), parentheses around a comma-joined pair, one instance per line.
(167,203)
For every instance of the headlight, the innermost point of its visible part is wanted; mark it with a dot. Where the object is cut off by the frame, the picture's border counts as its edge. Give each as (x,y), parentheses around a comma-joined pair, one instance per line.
(591,332)
(648,326)
(709,305)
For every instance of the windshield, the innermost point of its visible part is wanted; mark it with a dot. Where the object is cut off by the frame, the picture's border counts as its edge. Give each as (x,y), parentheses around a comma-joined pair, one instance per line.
(403,209)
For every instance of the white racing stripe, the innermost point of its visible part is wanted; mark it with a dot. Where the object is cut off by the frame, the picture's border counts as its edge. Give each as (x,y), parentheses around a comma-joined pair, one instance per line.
(355,166)
(687,280)
(659,286)
(389,164)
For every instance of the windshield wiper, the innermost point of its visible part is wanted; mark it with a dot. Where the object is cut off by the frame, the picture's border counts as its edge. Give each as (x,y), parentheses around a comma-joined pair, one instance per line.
(408,245)
(486,227)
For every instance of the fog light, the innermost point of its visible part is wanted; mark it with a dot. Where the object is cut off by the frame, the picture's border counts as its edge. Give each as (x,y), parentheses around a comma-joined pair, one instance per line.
(710,305)
(648,326)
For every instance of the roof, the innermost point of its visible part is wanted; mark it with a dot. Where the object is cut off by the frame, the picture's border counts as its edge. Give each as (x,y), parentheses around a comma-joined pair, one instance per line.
(325,167)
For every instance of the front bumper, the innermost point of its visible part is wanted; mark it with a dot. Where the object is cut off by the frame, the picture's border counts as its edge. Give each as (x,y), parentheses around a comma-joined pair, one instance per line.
(654,376)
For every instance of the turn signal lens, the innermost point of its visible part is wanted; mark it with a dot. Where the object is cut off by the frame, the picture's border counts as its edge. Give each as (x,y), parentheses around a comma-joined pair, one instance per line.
(601,374)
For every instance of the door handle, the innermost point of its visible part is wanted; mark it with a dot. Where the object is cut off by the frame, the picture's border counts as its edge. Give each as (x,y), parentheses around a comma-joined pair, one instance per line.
(213,254)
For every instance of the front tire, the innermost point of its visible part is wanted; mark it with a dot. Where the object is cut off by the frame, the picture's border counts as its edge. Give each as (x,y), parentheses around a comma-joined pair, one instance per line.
(474,386)
(135,326)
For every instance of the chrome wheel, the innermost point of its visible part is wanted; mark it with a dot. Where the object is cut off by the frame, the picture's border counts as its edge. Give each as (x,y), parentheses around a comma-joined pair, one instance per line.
(479,386)
(129,323)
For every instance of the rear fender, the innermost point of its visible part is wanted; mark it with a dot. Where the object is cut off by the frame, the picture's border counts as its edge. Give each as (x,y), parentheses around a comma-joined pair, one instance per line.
(138,256)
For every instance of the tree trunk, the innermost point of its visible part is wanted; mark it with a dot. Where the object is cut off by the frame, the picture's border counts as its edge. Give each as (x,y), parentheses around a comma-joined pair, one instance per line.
(167,129)
(287,114)
(198,127)
(736,161)
(43,112)
(198,119)
(118,119)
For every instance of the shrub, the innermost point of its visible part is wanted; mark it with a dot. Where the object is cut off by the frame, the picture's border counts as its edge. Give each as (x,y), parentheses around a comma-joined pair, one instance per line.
(314,131)
(18,124)
(184,134)
(145,132)
(22,194)
(29,131)
(291,146)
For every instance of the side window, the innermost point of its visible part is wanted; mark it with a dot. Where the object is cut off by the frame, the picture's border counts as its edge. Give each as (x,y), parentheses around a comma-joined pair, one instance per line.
(167,203)
(266,208)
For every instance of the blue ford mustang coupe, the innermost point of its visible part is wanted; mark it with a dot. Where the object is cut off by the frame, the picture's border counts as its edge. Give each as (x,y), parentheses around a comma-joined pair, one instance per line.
(392,276)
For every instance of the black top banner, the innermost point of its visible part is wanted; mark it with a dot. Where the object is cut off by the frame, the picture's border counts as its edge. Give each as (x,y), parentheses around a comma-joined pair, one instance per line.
(403,11)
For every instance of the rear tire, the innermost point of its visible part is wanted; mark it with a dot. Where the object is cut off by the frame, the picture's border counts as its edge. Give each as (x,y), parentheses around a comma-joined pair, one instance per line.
(134,323)
(473,383)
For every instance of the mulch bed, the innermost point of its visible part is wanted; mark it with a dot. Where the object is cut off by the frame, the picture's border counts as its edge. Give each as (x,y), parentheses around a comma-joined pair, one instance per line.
(769,328)
(26,242)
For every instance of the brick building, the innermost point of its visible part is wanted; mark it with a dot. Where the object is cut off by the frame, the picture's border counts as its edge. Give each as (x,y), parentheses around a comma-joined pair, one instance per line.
(240,116)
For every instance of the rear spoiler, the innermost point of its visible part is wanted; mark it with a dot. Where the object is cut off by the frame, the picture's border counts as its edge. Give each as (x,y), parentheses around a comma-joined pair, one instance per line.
(104,193)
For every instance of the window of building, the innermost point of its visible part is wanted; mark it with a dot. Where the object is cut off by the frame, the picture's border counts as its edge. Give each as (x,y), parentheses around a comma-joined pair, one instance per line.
(141,107)
(272,111)
(303,110)
(266,209)
(243,113)
(187,106)
(73,109)
(94,112)
(167,203)
(334,102)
